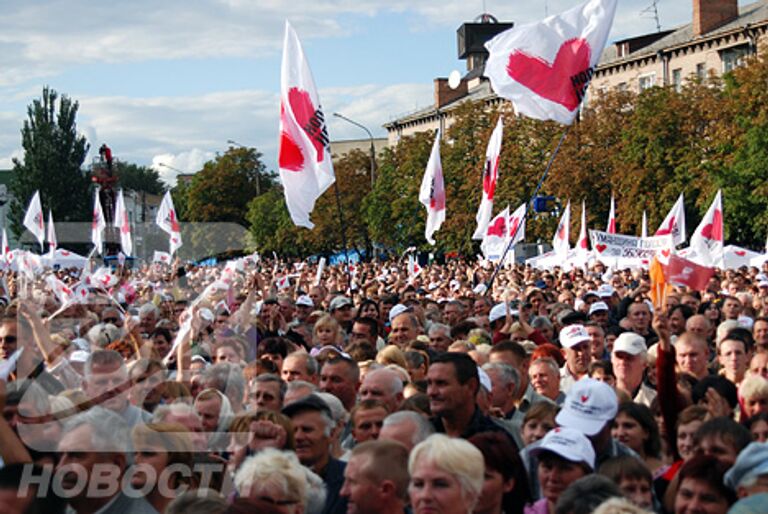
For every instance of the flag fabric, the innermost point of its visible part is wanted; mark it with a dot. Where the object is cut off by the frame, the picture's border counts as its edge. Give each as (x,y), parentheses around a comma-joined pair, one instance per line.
(304,157)
(560,244)
(611,228)
(161,257)
(544,68)
(122,223)
(432,193)
(644,226)
(52,243)
(33,219)
(413,268)
(320,268)
(658,290)
(496,236)
(674,223)
(683,272)
(63,293)
(490,176)
(582,245)
(517,225)
(168,222)
(6,250)
(707,240)
(98,224)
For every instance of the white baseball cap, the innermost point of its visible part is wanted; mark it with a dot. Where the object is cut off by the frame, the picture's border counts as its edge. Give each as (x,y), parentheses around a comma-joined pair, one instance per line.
(631,343)
(569,444)
(598,307)
(572,335)
(605,291)
(589,405)
(396,311)
(305,301)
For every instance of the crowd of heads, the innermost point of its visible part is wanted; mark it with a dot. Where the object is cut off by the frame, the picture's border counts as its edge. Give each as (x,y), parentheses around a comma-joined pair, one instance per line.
(257,386)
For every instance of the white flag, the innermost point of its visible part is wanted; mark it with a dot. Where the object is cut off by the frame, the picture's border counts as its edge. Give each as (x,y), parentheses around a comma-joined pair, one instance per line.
(544,68)
(122,223)
(582,247)
(674,223)
(490,176)
(517,219)
(496,236)
(708,238)
(611,228)
(432,193)
(52,243)
(6,250)
(168,222)
(33,219)
(320,268)
(304,157)
(560,243)
(161,257)
(98,224)
(644,229)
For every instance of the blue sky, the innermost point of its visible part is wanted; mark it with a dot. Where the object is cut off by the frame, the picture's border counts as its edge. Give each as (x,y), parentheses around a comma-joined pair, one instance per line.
(172,80)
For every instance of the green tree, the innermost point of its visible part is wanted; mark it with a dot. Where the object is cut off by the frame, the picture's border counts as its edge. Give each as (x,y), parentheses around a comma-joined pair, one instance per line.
(140,178)
(53,157)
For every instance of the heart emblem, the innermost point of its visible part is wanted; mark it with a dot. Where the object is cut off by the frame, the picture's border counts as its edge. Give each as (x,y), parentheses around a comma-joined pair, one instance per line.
(665,253)
(497,229)
(714,230)
(601,247)
(311,120)
(740,253)
(553,80)
(584,399)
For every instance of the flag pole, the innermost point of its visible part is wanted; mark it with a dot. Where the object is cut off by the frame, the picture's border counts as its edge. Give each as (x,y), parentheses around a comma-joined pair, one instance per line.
(527,209)
(343,232)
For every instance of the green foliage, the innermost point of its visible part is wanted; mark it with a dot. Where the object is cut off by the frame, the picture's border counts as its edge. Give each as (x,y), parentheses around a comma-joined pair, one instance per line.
(139,178)
(53,157)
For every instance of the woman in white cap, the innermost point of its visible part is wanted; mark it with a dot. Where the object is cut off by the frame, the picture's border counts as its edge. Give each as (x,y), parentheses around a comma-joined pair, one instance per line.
(564,456)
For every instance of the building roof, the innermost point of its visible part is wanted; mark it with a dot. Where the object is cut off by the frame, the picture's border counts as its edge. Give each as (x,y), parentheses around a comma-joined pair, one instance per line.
(752,14)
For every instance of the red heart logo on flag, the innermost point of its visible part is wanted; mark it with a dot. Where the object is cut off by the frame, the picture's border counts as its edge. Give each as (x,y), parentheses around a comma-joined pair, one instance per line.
(64,253)
(583,243)
(740,253)
(666,253)
(489,184)
(714,230)
(668,229)
(514,224)
(497,228)
(601,247)
(553,81)
(312,122)
(645,261)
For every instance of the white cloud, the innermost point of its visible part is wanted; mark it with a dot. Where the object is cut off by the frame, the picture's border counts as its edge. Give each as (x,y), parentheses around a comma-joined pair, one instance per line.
(169,166)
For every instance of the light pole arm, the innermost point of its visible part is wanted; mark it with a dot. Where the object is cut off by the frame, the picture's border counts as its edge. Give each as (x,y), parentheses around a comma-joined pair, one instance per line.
(373,146)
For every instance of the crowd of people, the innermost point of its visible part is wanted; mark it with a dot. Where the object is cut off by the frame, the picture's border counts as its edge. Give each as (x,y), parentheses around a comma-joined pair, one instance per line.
(292,387)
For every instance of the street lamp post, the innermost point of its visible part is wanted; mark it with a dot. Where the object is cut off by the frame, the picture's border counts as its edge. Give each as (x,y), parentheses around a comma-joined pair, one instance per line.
(373,148)
(258,185)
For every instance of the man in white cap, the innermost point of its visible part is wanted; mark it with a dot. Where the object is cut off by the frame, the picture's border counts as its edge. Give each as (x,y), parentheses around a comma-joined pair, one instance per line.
(304,307)
(599,313)
(749,474)
(630,359)
(576,348)
(589,408)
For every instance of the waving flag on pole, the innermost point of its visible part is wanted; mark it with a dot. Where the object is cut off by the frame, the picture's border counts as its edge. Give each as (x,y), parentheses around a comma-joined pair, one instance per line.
(544,68)
(98,224)
(644,229)
(306,170)
(33,219)
(560,243)
(496,236)
(52,244)
(6,250)
(516,219)
(708,238)
(674,223)
(121,222)
(432,194)
(611,229)
(168,222)
(582,247)
(490,176)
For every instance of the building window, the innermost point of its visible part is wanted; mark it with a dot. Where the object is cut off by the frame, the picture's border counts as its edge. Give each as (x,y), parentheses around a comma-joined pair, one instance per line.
(734,57)
(646,81)
(677,79)
(701,71)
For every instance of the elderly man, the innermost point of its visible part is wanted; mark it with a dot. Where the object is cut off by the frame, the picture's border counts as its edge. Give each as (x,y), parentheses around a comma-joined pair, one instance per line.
(267,393)
(630,359)
(544,375)
(106,383)
(576,347)
(93,447)
(405,328)
(453,312)
(312,428)
(639,316)
(504,383)
(439,337)
(512,353)
(408,428)
(376,478)
(299,366)
(596,341)
(383,385)
(341,378)
(699,325)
